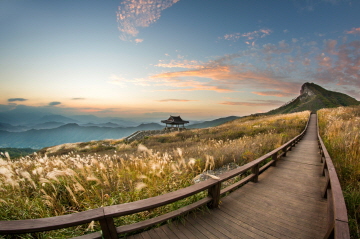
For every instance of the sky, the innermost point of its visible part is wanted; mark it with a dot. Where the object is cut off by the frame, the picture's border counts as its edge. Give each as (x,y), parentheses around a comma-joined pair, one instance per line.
(201,59)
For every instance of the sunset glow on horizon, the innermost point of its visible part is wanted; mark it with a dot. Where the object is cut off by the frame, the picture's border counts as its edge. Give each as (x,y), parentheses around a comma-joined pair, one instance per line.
(200,59)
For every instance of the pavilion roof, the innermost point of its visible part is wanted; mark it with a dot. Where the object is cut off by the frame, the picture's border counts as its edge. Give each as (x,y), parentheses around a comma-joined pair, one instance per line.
(175,120)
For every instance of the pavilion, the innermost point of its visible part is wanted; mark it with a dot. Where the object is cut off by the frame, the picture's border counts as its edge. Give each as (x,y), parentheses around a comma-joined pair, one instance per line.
(175,122)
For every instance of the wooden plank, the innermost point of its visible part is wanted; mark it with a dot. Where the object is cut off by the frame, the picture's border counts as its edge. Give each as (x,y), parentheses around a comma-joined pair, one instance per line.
(168,232)
(154,202)
(249,226)
(231,225)
(281,226)
(95,235)
(181,227)
(211,230)
(160,232)
(341,230)
(50,223)
(162,218)
(237,184)
(180,233)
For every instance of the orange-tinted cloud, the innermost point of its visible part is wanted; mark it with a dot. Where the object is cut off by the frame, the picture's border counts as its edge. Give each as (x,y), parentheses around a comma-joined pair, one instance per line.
(222,77)
(324,60)
(354,31)
(133,14)
(257,103)
(273,93)
(282,47)
(345,68)
(180,64)
(175,100)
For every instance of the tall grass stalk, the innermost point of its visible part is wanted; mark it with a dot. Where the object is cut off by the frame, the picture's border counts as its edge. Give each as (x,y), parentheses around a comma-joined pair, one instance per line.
(340,131)
(41,185)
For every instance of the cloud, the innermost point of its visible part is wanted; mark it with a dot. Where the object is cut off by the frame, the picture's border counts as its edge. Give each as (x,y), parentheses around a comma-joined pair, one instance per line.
(282,47)
(16,99)
(54,103)
(330,46)
(343,69)
(273,93)
(248,35)
(188,64)
(78,99)
(257,103)
(310,5)
(133,14)
(123,82)
(139,40)
(354,31)
(324,60)
(175,100)
(223,76)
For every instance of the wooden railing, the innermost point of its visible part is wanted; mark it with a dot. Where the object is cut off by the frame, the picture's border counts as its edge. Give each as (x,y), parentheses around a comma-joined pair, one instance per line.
(106,215)
(338,226)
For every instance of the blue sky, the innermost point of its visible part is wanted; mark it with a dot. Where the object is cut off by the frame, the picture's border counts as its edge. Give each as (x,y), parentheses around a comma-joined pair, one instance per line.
(201,59)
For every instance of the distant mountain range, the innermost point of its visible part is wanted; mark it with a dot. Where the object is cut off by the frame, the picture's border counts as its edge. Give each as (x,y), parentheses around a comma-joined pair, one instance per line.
(314,97)
(213,123)
(68,133)
(54,133)
(26,128)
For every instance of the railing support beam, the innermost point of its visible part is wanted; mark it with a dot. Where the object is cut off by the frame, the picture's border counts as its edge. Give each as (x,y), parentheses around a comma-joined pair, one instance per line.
(108,228)
(214,193)
(255,171)
(275,158)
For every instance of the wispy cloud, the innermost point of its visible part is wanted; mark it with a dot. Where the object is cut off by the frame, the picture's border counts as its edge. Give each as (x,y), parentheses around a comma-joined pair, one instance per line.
(256,103)
(77,98)
(248,36)
(222,75)
(54,103)
(354,31)
(16,99)
(134,14)
(188,64)
(175,100)
(281,47)
(342,69)
(310,5)
(273,93)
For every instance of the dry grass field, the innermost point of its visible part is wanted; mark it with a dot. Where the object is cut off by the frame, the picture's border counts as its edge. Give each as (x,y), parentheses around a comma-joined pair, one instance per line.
(340,130)
(76,177)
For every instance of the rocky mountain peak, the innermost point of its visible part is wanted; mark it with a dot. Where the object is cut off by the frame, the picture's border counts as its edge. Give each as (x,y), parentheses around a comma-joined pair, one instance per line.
(314,97)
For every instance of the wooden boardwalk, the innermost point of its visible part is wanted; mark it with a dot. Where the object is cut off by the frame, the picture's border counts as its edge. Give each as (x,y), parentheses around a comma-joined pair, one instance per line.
(286,202)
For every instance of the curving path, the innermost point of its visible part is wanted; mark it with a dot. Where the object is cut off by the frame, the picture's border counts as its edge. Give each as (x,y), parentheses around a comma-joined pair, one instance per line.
(286,202)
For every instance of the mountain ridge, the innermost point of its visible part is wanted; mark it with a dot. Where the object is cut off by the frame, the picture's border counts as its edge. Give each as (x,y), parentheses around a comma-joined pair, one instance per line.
(314,97)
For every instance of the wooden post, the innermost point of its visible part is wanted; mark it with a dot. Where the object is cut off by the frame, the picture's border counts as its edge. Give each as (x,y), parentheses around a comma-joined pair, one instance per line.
(214,193)
(275,158)
(255,171)
(327,186)
(108,228)
(323,168)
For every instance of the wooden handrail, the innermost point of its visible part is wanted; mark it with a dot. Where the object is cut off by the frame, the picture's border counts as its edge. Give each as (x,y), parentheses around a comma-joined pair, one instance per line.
(338,224)
(105,215)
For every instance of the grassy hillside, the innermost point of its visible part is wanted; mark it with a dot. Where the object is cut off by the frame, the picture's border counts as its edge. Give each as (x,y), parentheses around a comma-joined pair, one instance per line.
(15,153)
(44,186)
(340,131)
(313,98)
